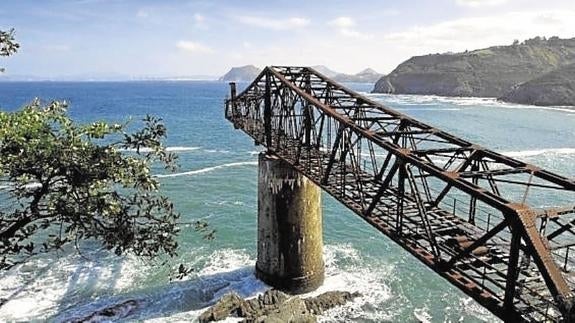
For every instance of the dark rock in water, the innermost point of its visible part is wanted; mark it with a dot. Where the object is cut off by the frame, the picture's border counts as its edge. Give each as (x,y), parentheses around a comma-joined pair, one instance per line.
(275,306)
(489,72)
(554,88)
(116,312)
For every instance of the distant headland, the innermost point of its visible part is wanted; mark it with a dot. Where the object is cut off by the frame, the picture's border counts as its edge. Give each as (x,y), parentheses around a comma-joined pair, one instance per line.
(249,72)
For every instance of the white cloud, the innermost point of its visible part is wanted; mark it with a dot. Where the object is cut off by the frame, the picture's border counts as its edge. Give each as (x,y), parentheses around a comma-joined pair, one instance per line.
(480,3)
(345,25)
(275,24)
(478,32)
(342,22)
(354,34)
(193,47)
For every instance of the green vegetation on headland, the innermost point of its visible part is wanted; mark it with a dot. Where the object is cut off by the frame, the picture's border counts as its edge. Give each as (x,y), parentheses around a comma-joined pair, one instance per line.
(498,71)
(249,72)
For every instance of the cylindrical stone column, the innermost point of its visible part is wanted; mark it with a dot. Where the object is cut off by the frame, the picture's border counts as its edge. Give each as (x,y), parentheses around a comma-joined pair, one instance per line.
(290,241)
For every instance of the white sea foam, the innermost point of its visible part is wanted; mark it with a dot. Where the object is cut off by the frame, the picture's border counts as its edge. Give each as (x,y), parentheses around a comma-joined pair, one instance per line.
(433,109)
(460,101)
(225,202)
(40,288)
(235,269)
(208,169)
(219,151)
(244,282)
(223,271)
(182,148)
(569,110)
(537,152)
(473,309)
(406,99)
(422,315)
(346,271)
(171,149)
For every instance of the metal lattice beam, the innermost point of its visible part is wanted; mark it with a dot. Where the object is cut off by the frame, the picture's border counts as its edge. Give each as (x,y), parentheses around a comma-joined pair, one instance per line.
(476,217)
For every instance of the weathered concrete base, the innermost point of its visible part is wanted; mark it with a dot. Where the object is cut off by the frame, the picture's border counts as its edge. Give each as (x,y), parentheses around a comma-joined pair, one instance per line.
(290,242)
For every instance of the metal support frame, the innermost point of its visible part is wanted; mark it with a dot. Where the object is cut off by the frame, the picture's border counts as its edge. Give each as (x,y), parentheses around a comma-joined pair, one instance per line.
(362,153)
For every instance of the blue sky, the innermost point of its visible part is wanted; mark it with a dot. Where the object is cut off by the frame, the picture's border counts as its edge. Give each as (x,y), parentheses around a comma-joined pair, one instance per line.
(132,38)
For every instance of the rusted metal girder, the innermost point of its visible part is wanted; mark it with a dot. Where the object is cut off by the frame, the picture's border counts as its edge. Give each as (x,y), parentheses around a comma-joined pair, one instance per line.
(478,218)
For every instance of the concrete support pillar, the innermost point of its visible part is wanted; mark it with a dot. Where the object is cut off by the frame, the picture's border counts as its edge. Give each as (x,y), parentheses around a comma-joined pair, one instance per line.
(290,241)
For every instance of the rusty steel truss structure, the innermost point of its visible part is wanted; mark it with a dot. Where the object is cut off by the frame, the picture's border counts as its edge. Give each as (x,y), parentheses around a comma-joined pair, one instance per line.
(497,228)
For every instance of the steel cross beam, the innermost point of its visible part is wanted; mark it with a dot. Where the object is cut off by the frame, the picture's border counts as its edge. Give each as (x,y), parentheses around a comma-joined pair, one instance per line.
(470,214)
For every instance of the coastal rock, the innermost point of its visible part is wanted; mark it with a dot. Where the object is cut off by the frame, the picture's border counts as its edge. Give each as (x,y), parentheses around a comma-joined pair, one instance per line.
(275,306)
(554,88)
(327,300)
(229,305)
(115,312)
(489,72)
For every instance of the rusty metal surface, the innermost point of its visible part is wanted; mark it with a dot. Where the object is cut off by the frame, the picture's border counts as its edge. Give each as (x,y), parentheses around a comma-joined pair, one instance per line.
(478,218)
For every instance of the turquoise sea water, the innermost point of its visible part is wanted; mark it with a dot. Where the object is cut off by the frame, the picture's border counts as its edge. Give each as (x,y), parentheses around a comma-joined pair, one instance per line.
(217,182)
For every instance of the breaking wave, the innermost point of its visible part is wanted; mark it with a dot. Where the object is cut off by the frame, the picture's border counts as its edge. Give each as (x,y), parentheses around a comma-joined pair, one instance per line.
(569,110)
(208,169)
(434,100)
(537,152)
(171,149)
(60,290)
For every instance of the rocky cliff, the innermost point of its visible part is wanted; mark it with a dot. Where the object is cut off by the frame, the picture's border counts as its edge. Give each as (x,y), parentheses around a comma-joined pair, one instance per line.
(554,88)
(489,72)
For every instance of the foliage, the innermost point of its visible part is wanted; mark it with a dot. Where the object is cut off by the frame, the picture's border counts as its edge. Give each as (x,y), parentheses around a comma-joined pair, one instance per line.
(63,182)
(8,45)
